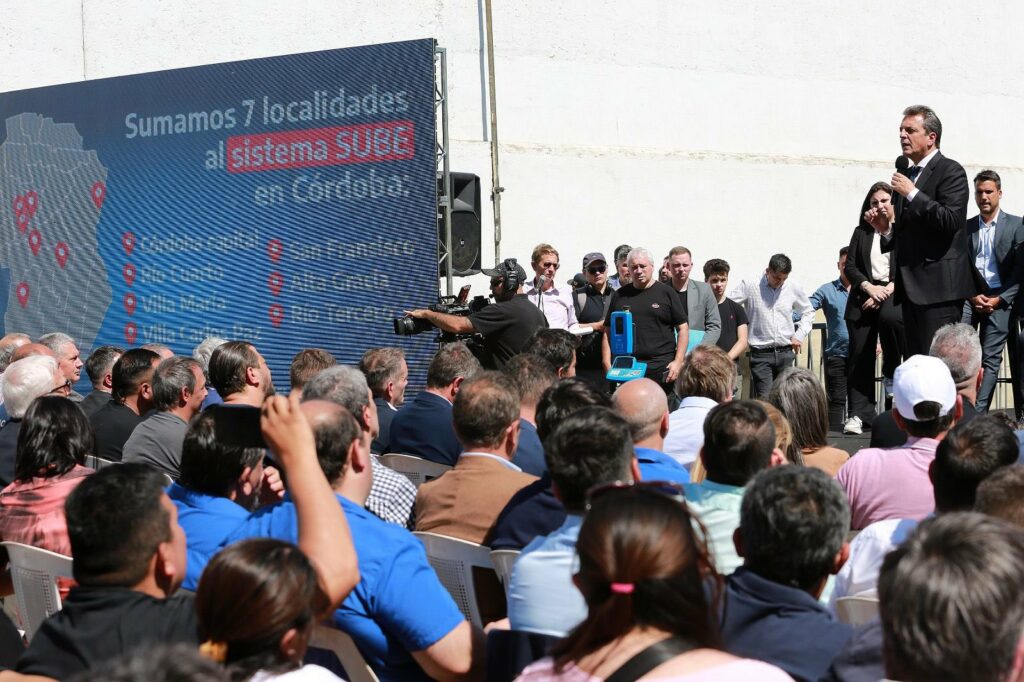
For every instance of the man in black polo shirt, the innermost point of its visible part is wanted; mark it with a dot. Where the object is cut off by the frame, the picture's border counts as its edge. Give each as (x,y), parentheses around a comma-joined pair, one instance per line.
(506,325)
(660,331)
(131,397)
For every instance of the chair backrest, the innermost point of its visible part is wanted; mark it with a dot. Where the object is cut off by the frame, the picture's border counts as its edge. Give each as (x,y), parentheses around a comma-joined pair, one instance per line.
(332,639)
(96,463)
(856,610)
(34,573)
(453,561)
(503,560)
(416,469)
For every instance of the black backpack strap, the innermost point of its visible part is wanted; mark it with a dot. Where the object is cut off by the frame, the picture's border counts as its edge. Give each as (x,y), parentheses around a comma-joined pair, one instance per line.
(650,658)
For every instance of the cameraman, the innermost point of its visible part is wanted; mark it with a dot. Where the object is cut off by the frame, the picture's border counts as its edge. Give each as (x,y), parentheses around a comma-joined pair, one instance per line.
(506,325)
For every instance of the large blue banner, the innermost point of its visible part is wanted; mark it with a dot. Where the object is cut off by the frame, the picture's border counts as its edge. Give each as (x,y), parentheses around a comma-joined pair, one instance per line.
(289,201)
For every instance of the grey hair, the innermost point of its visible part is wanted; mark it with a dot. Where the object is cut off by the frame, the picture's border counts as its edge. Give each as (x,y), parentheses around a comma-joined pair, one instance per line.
(7,351)
(26,380)
(342,385)
(930,120)
(638,252)
(205,349)
(800,397)
(169,377)
(55,341)
(957,345)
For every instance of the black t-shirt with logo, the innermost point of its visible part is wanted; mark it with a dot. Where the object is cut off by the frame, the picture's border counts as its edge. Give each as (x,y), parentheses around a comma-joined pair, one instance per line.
(657,311)
(507,326)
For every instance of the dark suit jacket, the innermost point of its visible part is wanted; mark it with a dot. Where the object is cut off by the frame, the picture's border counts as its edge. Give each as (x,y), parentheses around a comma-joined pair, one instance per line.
(858,269)
(929,240)
(385,414)
(423,427)
(1009,257)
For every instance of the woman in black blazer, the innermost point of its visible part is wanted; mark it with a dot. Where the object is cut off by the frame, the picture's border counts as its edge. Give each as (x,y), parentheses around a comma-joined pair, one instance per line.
(872,314)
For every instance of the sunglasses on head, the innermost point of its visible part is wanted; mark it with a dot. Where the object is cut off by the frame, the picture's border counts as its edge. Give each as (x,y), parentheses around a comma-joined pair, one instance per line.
(669,489)
(597,269)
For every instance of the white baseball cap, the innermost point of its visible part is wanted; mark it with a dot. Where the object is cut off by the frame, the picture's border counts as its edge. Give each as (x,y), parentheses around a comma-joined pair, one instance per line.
(922,378)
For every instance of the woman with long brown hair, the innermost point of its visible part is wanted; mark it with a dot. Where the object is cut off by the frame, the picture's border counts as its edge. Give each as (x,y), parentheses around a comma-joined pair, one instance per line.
(652,595)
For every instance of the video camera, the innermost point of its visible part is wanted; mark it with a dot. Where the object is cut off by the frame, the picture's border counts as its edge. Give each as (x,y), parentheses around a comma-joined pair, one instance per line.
(452,305)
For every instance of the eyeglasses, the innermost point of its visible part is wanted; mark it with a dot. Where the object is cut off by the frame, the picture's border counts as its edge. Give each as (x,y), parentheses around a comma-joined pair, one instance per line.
(597,269)
(64,388)
(495,282)
(545,266)
(669,489)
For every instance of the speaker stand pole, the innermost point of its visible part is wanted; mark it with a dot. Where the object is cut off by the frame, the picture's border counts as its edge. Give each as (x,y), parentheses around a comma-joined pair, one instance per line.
(496,188)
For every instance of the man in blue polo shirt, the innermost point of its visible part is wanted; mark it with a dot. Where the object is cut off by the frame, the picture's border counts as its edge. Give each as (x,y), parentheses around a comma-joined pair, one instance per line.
(831,298)
(642,403)
(401,618)
(218,486)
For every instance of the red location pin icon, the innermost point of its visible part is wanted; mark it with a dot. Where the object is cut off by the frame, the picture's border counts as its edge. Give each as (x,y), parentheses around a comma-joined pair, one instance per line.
(31,203)
(274,249)
(61,251)
(22,293)
(35,240)
(276,314)
(22,221)
(129,303)
(274,282)
(19,205)
(98,193)
(128,242)
(130,333)
(128,272)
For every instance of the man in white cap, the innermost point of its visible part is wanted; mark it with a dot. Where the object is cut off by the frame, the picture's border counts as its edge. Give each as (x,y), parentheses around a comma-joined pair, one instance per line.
(893,483)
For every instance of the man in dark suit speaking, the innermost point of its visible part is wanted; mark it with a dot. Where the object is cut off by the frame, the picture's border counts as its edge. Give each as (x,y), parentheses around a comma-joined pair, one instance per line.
(933,270)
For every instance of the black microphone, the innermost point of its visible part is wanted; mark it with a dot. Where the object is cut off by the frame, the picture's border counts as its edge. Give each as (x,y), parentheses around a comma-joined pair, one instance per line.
(902,164)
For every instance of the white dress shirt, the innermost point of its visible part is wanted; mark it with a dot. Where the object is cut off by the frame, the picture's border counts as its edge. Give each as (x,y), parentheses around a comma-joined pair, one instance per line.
(770,312)
(556,304)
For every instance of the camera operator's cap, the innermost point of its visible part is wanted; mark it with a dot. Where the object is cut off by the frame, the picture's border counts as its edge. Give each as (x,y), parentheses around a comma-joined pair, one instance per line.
(499,270)
(593,257)
(922,378)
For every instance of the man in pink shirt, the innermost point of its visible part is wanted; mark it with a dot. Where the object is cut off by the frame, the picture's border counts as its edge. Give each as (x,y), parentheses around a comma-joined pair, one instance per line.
(893,483)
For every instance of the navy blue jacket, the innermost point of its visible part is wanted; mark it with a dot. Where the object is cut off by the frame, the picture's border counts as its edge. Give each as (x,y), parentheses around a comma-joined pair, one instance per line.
(423,427)
(385,415)
(781,625)
(531,512)
(529,456)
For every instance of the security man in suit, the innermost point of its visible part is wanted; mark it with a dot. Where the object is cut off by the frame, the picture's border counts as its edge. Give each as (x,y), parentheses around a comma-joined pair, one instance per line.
(994,240)
(701,304)
(934,274)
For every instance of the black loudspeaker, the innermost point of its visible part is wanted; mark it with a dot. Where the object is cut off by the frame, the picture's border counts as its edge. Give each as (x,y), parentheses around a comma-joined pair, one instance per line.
(465,226)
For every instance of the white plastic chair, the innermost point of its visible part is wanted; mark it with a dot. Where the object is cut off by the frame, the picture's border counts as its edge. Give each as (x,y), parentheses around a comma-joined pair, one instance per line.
(34,572)
(332,639)
(503,560)
(453,560)
(96,463)
(416,469)
(856,610)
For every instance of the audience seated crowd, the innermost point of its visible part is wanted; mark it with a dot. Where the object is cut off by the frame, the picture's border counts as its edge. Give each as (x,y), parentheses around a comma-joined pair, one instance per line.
(213,526)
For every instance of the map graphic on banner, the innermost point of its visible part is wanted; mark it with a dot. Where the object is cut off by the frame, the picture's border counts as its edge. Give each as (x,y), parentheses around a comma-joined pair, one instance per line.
(289,201)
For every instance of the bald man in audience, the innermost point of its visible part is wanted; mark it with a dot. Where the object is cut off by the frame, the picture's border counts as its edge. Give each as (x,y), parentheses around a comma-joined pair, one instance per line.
(644,406)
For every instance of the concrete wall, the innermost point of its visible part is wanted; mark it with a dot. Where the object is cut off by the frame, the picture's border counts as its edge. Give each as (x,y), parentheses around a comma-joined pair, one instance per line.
(737,129)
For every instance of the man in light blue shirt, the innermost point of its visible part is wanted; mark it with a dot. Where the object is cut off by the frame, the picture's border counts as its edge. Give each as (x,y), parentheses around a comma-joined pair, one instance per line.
(642,403)
(218,486)
(591,446)
(831,298)
(739,441)
(707,379)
